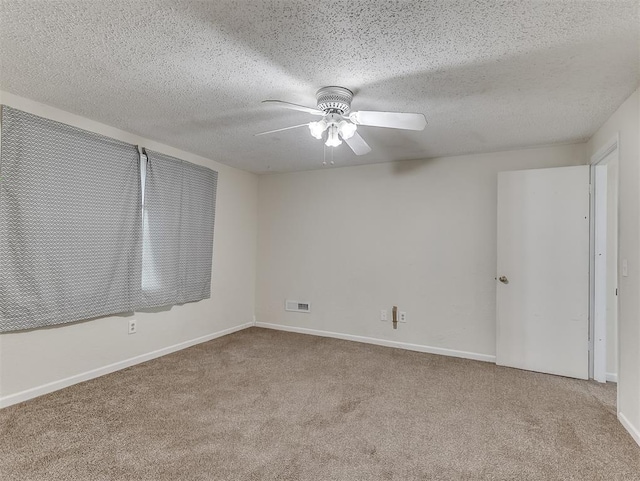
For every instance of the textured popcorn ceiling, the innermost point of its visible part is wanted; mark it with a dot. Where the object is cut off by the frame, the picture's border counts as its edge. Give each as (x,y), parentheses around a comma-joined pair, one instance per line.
(489,75)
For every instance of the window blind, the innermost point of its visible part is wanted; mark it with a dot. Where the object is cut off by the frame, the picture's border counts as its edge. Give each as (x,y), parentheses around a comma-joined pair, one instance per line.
(178,226)
(70,223)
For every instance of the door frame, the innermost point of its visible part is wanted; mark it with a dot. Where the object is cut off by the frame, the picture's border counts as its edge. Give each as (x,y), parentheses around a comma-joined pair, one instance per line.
(597,264)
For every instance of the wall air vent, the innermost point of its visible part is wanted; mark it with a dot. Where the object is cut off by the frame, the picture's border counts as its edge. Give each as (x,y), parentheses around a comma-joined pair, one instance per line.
(297,306)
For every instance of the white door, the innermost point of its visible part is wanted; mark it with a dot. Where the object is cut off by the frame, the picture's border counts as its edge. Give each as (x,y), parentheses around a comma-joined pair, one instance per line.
(543,271)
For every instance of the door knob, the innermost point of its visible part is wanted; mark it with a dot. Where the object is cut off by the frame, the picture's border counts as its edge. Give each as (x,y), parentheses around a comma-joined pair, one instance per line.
(503,279)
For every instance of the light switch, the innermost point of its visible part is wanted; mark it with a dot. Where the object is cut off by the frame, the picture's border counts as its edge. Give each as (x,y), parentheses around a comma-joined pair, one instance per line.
(625,268)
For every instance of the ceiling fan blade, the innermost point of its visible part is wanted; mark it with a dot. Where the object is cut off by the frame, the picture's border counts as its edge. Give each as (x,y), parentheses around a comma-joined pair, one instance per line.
(289,105)
(394,120)
(280,130)
(357,144)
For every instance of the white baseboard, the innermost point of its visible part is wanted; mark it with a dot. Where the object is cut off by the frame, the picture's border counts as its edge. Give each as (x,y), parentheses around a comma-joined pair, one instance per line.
(116,366)
(634,431)
(611,377)
(381,342)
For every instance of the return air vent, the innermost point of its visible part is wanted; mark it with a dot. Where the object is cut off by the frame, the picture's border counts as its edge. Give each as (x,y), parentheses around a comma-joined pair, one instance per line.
(297,306)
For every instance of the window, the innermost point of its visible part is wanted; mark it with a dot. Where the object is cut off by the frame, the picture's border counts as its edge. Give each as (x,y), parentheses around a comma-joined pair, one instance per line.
(70,237)
(88,230)
(178,222)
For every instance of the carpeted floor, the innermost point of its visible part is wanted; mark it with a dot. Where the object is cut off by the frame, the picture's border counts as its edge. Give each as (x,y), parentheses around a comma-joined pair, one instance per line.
(269,405)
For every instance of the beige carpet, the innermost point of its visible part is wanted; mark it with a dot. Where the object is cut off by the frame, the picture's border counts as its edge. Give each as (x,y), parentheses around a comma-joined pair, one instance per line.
(268,405)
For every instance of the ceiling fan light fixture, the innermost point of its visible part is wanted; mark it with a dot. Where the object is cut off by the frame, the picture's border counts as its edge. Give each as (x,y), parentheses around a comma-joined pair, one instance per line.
(340,123)
(347,129)
(317,128)
(333,139)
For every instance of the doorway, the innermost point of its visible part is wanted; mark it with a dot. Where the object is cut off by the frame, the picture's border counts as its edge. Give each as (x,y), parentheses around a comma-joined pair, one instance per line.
(604,264)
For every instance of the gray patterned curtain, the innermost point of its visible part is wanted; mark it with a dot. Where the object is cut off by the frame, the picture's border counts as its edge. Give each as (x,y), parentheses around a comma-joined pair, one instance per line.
(70,223)
(179,215)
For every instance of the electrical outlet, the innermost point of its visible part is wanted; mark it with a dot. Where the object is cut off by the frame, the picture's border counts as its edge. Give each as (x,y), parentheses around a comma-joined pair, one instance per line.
(383,314)
(133,326)
(402,317)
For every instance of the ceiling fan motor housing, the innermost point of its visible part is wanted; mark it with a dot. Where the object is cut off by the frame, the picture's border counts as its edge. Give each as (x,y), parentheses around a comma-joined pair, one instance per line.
(334,100)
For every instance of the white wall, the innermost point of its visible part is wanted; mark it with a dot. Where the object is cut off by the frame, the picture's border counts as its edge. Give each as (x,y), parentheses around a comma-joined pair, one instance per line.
(30,360)
(625,123)
(417,234)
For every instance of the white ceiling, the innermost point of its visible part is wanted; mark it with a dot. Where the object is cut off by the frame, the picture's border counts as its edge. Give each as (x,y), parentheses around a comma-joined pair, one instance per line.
(488,75)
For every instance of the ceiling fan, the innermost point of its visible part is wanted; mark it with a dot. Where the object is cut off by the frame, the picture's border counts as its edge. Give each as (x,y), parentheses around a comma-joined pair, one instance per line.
(339,123)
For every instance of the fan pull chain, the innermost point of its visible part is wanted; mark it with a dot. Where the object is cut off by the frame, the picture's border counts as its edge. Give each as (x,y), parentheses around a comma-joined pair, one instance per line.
(324,153)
